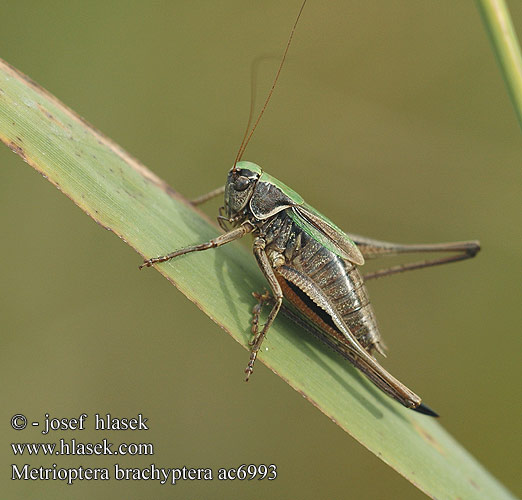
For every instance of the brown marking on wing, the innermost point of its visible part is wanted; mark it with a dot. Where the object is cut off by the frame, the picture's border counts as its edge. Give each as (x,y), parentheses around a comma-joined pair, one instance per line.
(299,304)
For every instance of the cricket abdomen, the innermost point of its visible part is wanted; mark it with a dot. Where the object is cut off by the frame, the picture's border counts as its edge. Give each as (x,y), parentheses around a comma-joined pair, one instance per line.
(339,281)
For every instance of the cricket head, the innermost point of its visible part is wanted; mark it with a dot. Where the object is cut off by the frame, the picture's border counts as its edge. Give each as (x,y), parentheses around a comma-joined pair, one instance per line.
(240,186)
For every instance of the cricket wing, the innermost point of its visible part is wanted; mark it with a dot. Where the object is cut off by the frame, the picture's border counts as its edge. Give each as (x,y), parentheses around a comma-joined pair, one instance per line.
(350,347)
(324,231)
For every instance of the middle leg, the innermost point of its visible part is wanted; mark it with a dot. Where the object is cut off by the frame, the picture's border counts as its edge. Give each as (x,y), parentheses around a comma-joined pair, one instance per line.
(268,271)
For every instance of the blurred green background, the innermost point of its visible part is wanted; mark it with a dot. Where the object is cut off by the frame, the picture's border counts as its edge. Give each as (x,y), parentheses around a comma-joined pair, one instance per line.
(391,118)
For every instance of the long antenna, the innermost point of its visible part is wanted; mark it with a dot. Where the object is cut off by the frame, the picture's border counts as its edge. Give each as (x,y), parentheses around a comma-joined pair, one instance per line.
(247,136)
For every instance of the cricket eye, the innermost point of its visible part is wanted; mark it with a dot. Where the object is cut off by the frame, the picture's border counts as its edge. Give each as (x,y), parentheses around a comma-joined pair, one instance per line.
(241,183)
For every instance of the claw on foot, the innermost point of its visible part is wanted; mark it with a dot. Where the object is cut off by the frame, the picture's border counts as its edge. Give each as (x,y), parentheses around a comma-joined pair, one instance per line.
(250,367)
(262,297)
(255,342)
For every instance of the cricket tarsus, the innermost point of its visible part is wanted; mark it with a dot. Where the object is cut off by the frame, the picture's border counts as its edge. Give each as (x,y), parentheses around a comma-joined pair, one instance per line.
(262,299)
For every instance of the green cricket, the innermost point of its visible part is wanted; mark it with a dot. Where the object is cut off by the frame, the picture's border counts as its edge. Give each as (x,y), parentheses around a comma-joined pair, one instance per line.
(314,265)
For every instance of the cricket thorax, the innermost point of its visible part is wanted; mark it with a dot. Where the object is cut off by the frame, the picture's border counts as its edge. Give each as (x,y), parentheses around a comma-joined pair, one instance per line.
(251,193)
(294,254)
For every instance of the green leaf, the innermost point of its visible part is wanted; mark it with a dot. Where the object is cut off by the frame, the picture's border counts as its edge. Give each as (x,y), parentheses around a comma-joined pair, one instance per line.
(497,20)
(124,197)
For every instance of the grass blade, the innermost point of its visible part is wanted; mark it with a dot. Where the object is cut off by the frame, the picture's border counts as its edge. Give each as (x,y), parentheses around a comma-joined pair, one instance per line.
(495,15)
(124,197)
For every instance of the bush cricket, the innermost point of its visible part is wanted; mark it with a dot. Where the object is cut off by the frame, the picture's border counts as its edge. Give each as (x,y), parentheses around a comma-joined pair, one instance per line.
(313,264)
